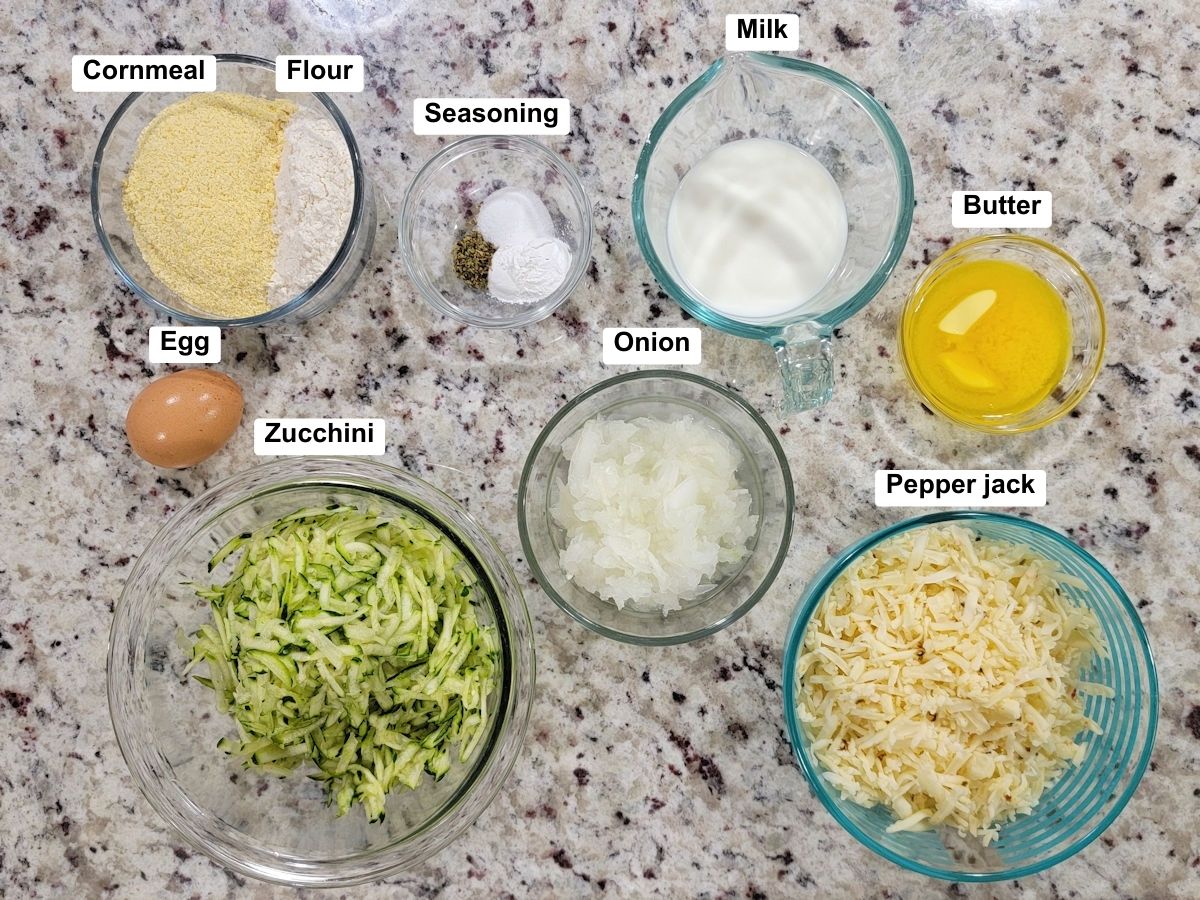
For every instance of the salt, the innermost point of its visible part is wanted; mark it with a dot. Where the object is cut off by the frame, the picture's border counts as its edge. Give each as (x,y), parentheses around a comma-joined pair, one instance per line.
(514,215)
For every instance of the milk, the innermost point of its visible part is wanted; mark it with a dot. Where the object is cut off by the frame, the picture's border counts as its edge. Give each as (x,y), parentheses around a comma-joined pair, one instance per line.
(756,229)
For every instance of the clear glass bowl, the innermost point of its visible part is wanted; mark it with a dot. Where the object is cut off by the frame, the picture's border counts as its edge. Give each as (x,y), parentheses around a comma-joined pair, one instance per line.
(167,726)
(1086,799)
(449,190)
(245,75)
(763,471)
(834,120)
(1085,312)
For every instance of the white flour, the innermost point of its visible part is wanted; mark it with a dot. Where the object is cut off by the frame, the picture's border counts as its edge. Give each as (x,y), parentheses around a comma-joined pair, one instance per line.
(314,194)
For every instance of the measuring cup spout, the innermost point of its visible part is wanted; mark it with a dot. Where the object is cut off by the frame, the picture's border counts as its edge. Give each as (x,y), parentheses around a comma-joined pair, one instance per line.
(805,358)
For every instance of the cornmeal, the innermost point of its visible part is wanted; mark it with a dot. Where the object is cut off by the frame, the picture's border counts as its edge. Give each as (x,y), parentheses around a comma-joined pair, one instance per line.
(200,195)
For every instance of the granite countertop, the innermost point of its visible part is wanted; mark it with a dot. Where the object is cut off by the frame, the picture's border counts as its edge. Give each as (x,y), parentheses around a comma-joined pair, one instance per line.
(646,772)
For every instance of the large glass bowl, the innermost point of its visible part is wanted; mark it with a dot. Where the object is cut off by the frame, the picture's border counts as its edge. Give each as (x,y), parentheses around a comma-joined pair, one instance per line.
(449,190)
(844,128)
(1078,807)
(1085,313)
(763,471)
(167,725)
(238,74)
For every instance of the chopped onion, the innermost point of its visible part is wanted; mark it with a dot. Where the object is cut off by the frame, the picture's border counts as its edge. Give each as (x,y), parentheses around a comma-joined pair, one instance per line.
(652,511)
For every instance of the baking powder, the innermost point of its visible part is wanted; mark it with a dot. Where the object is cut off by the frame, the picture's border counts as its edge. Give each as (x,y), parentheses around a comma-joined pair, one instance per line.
(529,272)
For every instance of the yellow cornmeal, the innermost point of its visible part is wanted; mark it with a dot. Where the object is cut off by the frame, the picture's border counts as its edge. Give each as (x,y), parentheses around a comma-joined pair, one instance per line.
(200,196)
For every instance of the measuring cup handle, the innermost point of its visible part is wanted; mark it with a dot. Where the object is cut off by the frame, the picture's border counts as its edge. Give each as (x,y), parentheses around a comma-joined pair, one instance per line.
(806,364)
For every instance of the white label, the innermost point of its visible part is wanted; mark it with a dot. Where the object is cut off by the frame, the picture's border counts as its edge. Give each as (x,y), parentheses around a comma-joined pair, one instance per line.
(762,32)
(1001,209)
(635,346)
(143,73)
(488,115)
(960,487)
(331,74)
(319,437)
(179,344)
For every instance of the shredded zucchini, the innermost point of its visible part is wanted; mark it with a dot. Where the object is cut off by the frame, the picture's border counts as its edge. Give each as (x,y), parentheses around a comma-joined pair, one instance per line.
(348,639)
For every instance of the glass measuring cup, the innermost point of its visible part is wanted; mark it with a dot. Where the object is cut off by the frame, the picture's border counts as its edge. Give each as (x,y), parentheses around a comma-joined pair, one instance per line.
(831,118)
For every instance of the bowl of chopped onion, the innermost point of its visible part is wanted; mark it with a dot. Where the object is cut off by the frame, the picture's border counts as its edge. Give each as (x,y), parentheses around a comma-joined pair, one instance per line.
(320,671)
(656,507)
(970,695)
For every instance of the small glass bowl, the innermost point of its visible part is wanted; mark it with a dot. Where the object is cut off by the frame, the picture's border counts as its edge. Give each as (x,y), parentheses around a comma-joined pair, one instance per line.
(167,725)
(1077,808)
(1085,312)
(448,192)
(244,75)
(764,472)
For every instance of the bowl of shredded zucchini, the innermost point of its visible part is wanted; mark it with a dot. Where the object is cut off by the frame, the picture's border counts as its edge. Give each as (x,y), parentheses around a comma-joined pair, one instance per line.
(321,671)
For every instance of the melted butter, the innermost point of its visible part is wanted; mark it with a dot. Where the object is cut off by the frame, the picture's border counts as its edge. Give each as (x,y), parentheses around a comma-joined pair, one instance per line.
(987,338)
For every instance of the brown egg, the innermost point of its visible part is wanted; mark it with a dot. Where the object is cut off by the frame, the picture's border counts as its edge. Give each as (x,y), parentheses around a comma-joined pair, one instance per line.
(183,418)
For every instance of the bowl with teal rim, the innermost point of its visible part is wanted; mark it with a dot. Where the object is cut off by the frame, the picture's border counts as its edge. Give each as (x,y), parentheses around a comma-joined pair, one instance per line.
(839,124)
(1074,810)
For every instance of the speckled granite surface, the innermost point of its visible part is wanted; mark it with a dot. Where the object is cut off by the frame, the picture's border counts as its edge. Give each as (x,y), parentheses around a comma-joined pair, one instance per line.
(647,772)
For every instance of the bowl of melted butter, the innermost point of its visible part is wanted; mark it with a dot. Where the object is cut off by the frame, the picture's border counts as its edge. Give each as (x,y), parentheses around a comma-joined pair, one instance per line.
(1003,333)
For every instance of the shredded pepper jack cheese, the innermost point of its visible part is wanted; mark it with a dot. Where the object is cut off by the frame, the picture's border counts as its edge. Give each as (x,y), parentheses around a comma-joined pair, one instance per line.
(940,676)
(200,195)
